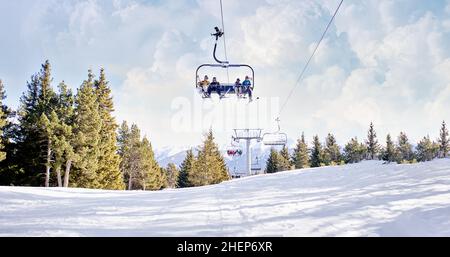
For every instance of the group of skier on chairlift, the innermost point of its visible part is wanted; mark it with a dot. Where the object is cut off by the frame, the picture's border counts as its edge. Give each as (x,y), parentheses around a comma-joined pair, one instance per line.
(241,89)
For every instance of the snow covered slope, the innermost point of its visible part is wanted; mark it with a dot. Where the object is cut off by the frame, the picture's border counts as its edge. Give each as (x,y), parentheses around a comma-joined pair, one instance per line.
(366,199)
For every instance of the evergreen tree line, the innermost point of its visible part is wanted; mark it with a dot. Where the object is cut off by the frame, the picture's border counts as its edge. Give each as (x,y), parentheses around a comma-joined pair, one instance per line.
(60,138)
(330,153)
(141,171)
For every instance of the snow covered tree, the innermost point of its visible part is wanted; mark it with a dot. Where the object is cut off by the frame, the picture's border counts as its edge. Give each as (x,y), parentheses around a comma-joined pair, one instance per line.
(354,151)
(186,169)
(372,143)
(444,141)
(404,148)
(108,159)
(210,167)
(274,162)
(317,153)
(332,151)
(87,128)
(172,174)
(300,157)
(426,150)
(390,153)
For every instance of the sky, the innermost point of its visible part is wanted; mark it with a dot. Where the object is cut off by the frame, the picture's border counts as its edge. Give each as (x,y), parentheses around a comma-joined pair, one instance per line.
(383,61)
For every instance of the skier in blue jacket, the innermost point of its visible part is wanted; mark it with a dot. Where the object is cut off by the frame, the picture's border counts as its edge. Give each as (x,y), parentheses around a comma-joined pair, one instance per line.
(247,86)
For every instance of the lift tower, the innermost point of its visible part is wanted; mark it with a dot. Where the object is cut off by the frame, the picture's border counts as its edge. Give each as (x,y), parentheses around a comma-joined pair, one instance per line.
(248,135)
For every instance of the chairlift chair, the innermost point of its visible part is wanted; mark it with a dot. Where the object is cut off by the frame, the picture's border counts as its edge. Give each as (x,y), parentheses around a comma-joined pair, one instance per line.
(234,150)
(276,138)
(224,88)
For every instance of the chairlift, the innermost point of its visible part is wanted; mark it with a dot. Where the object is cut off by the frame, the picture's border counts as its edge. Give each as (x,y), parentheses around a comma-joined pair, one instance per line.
(276,138)
(223,89)
(234,150)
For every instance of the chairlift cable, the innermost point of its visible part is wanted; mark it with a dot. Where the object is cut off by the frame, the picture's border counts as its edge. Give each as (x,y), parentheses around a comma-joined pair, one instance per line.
(224,39)
(300,78)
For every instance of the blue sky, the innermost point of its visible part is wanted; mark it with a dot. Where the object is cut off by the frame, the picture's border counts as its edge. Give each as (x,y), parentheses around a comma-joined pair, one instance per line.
(382,61)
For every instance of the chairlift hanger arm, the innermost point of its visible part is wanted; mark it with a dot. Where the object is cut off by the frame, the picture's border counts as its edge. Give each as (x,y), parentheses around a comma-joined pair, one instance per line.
(214,55)
(217,35)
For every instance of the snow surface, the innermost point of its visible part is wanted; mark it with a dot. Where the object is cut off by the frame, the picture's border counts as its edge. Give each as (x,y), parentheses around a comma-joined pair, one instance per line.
(365,199)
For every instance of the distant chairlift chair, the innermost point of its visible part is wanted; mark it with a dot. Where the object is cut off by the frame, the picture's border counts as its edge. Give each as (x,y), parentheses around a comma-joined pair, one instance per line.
(276,138)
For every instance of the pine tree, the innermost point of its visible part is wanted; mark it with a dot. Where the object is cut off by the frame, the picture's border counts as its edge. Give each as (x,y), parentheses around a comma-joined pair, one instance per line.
(46,103)
(153,177)
(186,169)
(332,151)
(32,143)
(317,153)
(425,150)
(135,175)
(63,152)
(273,163)
(123,135)
(64,140)
(372,143)
(27,151)
(444,141)
(3,122)
(124,148)
(354,151)
(45,128)
(390,153)
(87,128)
(138,165)
(300,157)
(47,97)
(163,178)
(65,104)
(54,138)
(10,173)
(435,147)
(210,167)
(172,174)
(285,163)
(404,148)
(108,159)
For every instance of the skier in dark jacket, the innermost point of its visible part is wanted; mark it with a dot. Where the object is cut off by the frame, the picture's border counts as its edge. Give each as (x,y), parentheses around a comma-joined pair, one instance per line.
(238,87)
(214,86)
